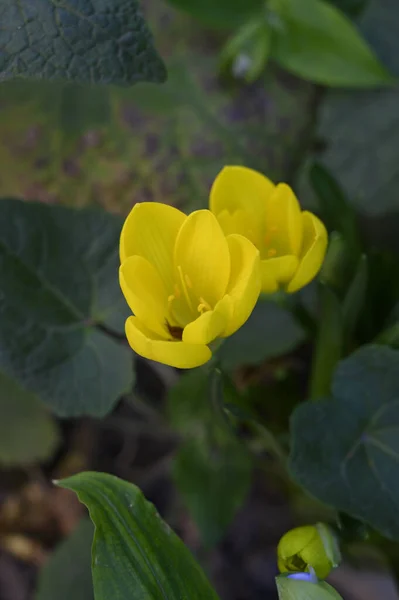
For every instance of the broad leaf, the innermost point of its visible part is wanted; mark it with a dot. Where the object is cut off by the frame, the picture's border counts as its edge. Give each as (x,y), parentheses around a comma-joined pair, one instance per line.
(270,331)
(319,43)
(106,41)
(212,469)
(222,14)
(356,471)
(135,553)
(28,434)
(365,159)
(67,573)
(214,480)
(58,285)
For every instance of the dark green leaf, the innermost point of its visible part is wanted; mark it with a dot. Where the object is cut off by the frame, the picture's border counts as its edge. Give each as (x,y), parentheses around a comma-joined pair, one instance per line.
(352,8)
(67,574)
(59,278)
(222,14)
(28,434)
(355,297)
(270,331)
(135,554)
(212,469)
(214,480)
(365,159)
(317,42)
(356,471)
(103,42)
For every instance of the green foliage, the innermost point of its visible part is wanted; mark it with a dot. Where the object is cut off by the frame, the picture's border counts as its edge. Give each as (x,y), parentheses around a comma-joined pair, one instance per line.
(221,14)
(212,468)
(103,42)
(280,334)
(294,589)
(345,448)
(364,159)
(135,554)
(27,432)
(67,573)
(317,42)
(246,53)
(59,286)
(352,8)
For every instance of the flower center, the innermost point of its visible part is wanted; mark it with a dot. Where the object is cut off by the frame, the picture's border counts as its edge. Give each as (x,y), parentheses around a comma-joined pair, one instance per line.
(270,242)
(184,306)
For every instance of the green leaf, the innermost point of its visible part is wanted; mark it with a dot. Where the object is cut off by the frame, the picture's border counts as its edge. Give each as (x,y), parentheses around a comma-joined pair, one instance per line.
(295,589)
(212,469)
(67,573)
(317,42)
(224,14)
(214,481)
(270,331)
(365,159)
(135,554)
(356,471)
(58,287)
(28,434)
(103,42)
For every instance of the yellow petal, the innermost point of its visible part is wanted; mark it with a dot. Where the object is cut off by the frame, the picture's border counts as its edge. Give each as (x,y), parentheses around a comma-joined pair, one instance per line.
(209,325)
(150,230)
(245,281)
(239,188)
(283,222)
(174,353)
(280,269)
(240,222)
(202,259)
(269,283)
(145,293)
(312,254)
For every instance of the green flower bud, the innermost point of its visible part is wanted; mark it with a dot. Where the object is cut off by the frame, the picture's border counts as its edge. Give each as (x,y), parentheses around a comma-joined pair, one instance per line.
(304,586)
(307,549)
(246,53)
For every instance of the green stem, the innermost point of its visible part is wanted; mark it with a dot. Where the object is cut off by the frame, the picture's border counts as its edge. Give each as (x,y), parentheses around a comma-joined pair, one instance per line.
(329,344)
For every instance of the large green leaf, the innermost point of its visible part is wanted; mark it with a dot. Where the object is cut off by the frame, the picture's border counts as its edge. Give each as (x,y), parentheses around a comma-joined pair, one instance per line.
(212,469)
(59,286)
(67,573)
(106,41)
(27,432)
(319,43)
(365,159)
(345,449)
(222,14)
(270,331)
(135,554)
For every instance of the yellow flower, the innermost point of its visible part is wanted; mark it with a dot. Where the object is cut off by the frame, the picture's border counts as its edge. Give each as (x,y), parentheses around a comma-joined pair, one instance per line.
(309,548)
(185,281)
(292,243)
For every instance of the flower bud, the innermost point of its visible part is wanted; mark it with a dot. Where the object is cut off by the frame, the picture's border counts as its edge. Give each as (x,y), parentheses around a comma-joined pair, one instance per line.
(304,586)
(309,548)
(246,53)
